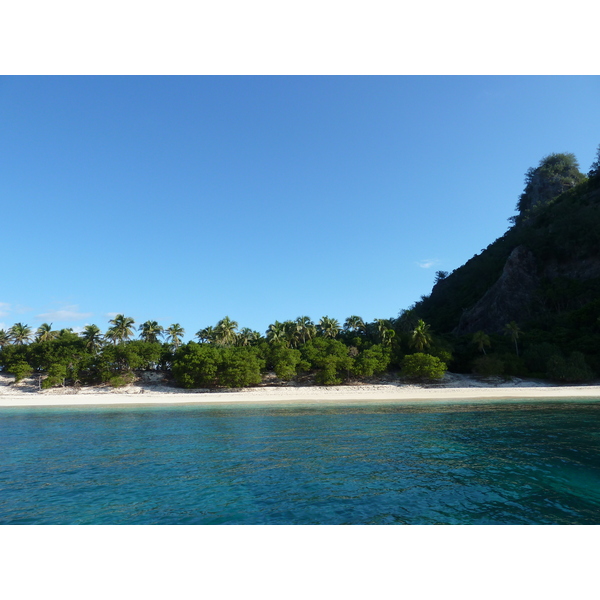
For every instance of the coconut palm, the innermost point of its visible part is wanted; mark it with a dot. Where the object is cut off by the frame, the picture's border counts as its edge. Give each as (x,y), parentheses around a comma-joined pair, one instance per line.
(4,338)
(512,329)
(328,327)
(44,333)
(276,333)
(355,324)
(150,331)
(245,337)
(206,335)
(225,331)
(92,337)
(306,329)
(174,334)
(121,330)
(292,333)
(407,321)
(383,325)
(20,334)
(481,339)
(387,335)
(421,338)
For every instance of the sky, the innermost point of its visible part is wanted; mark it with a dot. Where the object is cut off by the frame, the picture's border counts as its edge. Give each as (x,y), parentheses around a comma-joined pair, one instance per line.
(263,198)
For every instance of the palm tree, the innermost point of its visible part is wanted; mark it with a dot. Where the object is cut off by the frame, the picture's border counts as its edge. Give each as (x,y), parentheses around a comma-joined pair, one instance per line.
(4,338)
(121,329)
(276,333)
(407,321)
(482,340)
(226,332)
(44,333)
(150,331)
(174,334)
(383,326)
(292,333)
(355,324)
(92,336)
(206,335)
(421,338)
(306,329)
(512,329)
(328,327)
(20,334)
(387,335)
(245,337)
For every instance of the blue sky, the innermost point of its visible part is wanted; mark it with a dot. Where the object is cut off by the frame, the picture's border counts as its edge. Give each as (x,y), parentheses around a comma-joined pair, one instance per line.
(185,199)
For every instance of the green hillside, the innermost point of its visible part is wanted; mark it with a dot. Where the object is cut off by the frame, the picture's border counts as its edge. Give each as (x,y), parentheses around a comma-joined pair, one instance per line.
(543,273)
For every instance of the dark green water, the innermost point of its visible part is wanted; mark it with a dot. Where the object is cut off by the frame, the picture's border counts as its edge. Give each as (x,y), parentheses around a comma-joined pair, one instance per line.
(512,463)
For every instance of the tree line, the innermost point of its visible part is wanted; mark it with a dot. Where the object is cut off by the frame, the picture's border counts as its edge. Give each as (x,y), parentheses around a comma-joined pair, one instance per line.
(223,355)
(323,353)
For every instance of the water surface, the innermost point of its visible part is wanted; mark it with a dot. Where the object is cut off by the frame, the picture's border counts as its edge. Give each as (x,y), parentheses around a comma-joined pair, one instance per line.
(494,463)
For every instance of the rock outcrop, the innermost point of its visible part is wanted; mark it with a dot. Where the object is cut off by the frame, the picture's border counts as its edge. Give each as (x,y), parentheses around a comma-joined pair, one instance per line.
(509,299)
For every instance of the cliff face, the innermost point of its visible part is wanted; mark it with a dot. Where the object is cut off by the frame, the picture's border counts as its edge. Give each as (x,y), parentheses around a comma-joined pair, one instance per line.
(516,296)
(509,299)
(536,274)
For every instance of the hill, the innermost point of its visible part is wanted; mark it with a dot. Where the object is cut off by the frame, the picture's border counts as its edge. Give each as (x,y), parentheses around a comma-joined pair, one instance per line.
(543,273)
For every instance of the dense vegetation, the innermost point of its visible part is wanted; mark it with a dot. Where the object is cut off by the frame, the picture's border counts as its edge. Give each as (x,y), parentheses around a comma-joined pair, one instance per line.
(558,222)
(324,353)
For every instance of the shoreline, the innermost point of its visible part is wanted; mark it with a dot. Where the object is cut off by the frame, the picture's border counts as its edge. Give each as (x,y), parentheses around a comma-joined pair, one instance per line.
(398,394)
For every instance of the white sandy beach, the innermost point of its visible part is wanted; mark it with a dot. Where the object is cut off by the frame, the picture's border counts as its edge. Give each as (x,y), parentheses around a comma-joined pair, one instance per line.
(453,388)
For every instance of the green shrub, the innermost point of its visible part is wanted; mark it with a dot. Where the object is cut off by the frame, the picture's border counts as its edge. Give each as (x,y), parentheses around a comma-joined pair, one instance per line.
(330,358)
(239,367)
(513,365)
(569,370)
(20,369)
(328,373)
(118,381)
(488,366)
(201,366)
(286,362)
(57,374)
(536,356)
(372,361)
(422,366)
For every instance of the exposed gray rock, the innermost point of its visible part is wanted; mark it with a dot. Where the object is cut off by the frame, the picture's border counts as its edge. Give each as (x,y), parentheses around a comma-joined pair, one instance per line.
(509,299)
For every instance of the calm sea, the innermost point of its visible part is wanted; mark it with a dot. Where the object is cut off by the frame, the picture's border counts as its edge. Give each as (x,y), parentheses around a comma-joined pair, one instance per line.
(511,463)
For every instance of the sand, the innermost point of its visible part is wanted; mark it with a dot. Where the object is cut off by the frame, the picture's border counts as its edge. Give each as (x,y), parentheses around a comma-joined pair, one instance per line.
(452,389)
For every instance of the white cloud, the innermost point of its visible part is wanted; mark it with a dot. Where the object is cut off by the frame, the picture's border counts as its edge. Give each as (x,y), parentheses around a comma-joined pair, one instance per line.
(428,263)
(4,309)
(111,315)
(67,313)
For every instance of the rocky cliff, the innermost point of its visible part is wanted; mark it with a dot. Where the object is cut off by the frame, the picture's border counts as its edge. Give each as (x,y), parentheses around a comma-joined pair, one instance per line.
(509,299)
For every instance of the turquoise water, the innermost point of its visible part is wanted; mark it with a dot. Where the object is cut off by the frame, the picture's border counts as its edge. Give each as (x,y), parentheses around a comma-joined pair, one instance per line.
(514,463)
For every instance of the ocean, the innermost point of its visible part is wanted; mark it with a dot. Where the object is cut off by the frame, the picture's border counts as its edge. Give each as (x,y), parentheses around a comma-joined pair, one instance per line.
(501,462)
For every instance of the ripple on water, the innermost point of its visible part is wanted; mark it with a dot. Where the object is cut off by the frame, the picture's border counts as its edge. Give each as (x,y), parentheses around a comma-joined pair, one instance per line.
(376,464)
